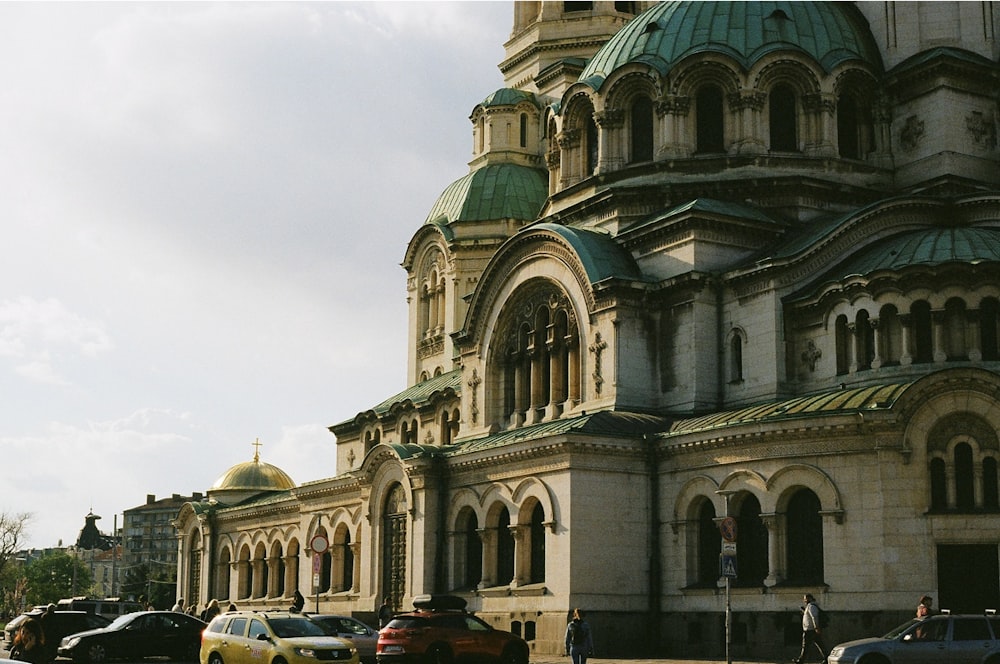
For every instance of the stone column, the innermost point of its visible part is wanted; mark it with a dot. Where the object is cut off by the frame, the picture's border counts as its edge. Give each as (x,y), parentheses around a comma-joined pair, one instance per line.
(489,540)
(938,321)
(775,540)
(906,323)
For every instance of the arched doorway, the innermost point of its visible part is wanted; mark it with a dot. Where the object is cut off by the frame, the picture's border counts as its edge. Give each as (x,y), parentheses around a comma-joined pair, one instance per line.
(394,546)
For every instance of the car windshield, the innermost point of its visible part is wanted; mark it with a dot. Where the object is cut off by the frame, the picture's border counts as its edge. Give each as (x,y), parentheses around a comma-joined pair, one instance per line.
(291,627)
(121,621)
(409,622)
(902,628)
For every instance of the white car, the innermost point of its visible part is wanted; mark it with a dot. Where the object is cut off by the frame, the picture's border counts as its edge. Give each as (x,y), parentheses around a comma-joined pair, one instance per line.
(955,639)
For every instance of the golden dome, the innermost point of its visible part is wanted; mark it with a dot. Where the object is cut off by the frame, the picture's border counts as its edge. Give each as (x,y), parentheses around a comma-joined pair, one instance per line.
(254,476)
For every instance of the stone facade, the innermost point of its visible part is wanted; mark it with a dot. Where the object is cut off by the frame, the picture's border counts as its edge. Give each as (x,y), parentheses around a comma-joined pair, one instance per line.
(689,275)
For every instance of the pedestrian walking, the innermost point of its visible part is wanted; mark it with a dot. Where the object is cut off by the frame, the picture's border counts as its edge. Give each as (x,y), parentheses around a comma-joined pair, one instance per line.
(384,613)
(579,639)
(811,630)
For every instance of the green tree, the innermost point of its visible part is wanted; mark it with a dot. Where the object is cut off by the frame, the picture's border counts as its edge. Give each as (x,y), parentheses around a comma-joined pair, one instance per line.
(13,528)
(50,578)
(154,586)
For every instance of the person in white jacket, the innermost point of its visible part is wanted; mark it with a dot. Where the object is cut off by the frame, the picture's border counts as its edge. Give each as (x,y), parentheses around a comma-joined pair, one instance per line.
(811,631)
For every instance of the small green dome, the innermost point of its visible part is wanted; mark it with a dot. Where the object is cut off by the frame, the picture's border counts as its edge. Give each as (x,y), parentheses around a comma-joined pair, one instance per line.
(830,32)
(495,191)
(508,97)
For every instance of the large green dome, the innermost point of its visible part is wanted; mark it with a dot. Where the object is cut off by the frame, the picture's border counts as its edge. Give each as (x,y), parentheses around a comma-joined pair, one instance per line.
(830,32)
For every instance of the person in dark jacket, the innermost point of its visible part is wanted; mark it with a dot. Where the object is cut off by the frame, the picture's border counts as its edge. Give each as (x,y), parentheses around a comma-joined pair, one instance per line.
(579,639)
(298,602)
(29,643)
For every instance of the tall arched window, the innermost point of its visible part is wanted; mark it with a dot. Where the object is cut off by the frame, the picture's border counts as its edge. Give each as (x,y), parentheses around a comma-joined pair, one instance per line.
(842,339)
(805,539)
(864,339)
(473,553)
(989,314)
(641,125)
(965,491)
(591,152)
(524,130)
(752,567)
(890,335)
(923,338)
(991,491)
(537,544)
(939,485)
(709,137)
(782,119)
(709,545)
(736,358)
(505,549)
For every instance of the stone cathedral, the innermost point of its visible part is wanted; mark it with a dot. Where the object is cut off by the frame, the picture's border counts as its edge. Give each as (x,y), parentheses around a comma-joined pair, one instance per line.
(710,259)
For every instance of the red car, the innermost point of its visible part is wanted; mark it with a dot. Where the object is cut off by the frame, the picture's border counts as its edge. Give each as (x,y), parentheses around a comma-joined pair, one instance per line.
(441,631)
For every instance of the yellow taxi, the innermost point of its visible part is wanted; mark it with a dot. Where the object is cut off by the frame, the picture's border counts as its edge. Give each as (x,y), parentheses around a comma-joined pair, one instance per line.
(271,637)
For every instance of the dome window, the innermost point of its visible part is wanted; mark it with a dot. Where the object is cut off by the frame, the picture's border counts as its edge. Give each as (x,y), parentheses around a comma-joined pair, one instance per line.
(652,27)
(779,14)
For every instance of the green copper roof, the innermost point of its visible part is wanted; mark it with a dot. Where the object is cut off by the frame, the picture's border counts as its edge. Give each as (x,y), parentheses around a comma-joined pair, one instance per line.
(495,191)
(930,247)
(422,392)
(508,97)
(601,256)
(876,397)
(830,32)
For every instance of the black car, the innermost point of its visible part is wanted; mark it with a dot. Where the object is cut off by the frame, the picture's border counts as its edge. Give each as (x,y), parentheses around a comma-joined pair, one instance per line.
(56,625)
(137,635)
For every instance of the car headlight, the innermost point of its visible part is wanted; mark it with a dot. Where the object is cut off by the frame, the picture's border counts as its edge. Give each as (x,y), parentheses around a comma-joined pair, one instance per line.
(70,642)
(305,652)
(837,652)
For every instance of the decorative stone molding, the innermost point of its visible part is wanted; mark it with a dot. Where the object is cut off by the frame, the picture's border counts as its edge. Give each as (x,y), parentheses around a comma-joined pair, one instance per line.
(982,130)
(911,133)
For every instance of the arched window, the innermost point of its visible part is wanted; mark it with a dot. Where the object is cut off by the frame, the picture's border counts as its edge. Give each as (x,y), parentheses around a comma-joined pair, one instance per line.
(988,317)
(804,539)
(991,492)
(923,338)
(736,358)
(537,574)
(752,567)
(864,340)
(505,549)
(473,553)
(709,136)
(641,121)
(955,323)
(709,546)
(842,339)
(890,335)
(782,119)
(939,485)
(965,492)
(537,358)
(590,149)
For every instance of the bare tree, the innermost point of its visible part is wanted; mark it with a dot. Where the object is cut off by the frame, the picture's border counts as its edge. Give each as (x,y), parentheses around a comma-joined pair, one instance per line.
(13,529)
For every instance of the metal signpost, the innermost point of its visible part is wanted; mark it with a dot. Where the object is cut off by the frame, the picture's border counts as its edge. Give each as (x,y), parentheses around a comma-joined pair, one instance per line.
(319,544)
(727,567)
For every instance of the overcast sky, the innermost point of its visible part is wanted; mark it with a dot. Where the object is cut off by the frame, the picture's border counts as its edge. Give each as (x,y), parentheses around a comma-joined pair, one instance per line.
(204,210)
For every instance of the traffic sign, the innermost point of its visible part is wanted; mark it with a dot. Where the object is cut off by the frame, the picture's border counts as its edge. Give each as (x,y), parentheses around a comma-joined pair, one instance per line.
(319,544)
(728,529)
(728,565)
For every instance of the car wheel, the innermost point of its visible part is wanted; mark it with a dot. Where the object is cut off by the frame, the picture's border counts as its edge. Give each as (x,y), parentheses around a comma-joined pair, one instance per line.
(215,658)
(438,654)
(279,660)
(514,655)
(97,653)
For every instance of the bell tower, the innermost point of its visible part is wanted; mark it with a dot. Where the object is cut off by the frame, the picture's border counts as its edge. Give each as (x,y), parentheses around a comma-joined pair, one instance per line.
(551,41)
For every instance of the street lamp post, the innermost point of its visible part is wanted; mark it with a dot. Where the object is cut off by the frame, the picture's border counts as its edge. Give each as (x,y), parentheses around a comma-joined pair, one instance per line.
(728,531)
